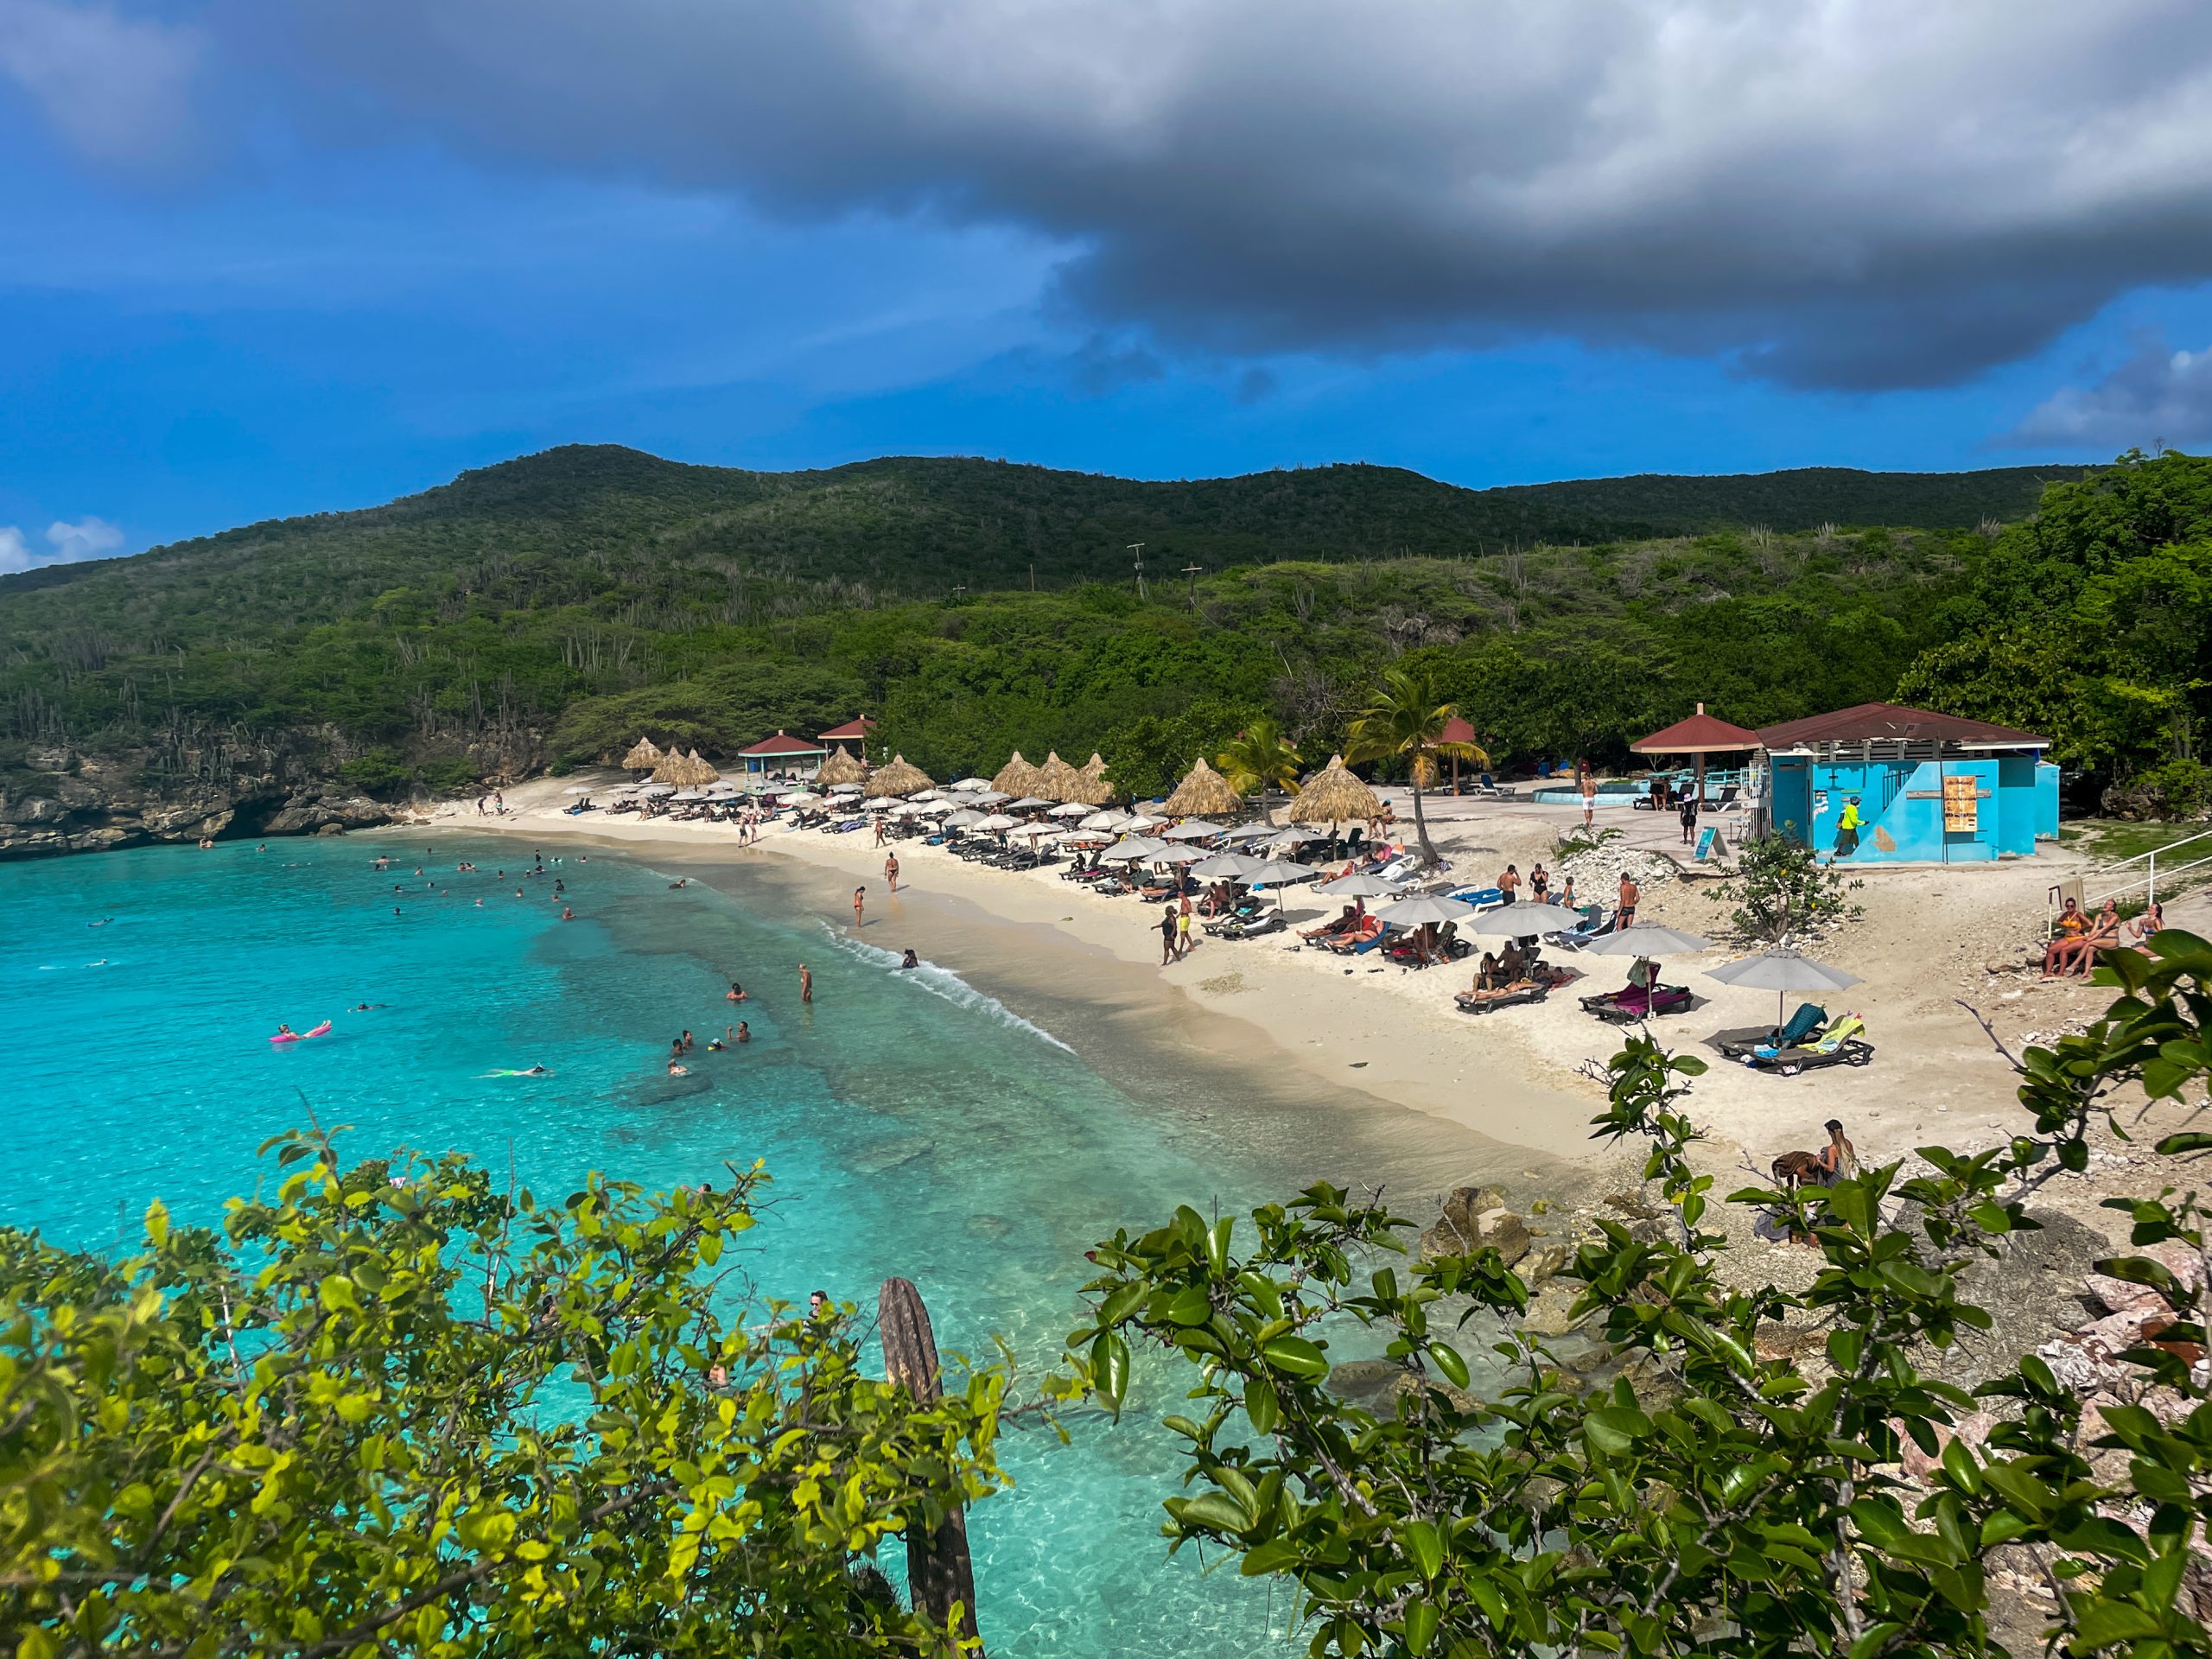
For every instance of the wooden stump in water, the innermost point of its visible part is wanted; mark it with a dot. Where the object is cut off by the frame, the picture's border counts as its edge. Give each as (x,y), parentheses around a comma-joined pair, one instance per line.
(939,1571)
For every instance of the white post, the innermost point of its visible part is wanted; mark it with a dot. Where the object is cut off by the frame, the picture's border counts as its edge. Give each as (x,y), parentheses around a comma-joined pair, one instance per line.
(2150,888)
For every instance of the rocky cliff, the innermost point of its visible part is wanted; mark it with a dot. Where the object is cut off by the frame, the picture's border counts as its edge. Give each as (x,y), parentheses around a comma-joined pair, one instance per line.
(60,800)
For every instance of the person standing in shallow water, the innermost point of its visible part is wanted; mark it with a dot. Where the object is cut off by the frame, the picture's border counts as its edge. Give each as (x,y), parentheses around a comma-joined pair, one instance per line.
(860,901)
(805,983)
(891,871)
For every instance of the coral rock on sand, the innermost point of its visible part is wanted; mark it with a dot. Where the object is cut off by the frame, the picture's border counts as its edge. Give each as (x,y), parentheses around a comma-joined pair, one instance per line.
(1475,1217)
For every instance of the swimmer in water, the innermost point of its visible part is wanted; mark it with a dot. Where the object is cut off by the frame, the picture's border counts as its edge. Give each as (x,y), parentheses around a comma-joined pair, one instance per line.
(911,960)
(744,1031)
(363,1007)
(102,922)
(523,1071)
(284,1030)
(568,915)
(735,994)
(677,1069)
(680,881)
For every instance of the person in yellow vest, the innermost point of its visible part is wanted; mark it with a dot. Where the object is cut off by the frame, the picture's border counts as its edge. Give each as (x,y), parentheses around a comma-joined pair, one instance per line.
(1848,828)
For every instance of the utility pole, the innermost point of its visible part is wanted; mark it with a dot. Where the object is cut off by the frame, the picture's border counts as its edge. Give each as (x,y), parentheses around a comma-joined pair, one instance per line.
(1137,548)
(1193,571)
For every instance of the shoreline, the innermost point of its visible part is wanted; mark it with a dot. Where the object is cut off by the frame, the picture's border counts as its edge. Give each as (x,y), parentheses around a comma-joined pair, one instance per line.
(1021,940)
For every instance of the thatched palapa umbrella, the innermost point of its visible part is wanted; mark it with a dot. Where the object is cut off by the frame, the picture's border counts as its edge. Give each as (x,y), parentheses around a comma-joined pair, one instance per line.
(841,768)
(1335,796)
(901,778)
(1055,778)
(1017,777)
(643,756)
(1090,786)
(1204,794)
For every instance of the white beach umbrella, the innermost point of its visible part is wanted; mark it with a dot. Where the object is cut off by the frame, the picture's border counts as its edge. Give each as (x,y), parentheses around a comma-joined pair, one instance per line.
(1178,855)
(1192,830)
(1123,852)
(802,797)
(689,795)
(973,784)
(1103,821)
(1647,940)
(1422,908)
(1000,821)
(1070,809)
(1359,885)
(581,789)
(1253,830)
(1523,921)
(1029,803)
(657,789)
(1138,821)
(989,796)
(966,818)
(880,803)
(1783,969)
(1278,873)
(1235,866)
(844,789)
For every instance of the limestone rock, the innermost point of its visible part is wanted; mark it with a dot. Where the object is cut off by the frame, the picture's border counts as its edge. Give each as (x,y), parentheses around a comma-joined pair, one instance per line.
(1363,1380)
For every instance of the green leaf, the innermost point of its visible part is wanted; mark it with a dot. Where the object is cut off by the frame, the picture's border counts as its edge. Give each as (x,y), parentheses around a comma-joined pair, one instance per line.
(1261,1405)
(1110,1369)
(1191,1306)
(1448,1362)
(1421,1619)
(1298,1356)
(1215,1509)
(1425,1547)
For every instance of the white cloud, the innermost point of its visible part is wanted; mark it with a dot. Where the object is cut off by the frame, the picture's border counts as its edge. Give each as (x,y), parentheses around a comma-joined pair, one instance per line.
(2157,396)
(117,87)
(1857,193)
(90,538)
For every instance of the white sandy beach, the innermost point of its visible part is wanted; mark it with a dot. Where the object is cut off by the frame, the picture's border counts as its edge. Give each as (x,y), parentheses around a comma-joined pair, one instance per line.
(1514,1076)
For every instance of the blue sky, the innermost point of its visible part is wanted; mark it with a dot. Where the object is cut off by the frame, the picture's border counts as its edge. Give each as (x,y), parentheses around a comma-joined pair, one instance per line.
(256,267)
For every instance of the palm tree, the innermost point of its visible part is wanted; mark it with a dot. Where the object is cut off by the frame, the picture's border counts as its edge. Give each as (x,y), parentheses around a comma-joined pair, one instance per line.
(1406,716)
(1259,759)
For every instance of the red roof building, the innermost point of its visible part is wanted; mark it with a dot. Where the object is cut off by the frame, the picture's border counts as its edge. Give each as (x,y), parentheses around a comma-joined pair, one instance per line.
(1891,722)
(853,731)
(1701,734)
(781,751)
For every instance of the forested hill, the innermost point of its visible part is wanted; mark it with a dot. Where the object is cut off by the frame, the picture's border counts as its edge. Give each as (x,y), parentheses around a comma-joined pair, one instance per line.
(923,527)
(545,612)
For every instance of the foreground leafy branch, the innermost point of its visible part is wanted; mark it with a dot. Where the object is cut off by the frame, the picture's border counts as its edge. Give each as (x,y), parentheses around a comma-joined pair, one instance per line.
(397,1410)
(1709,1499)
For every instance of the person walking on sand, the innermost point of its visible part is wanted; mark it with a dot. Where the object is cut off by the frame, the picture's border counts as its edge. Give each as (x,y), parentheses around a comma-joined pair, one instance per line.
(805,983)
(1167,935)
(1184,942)
(891,871)
(1629,894)
(1588,782)
(860,903)
(878,832)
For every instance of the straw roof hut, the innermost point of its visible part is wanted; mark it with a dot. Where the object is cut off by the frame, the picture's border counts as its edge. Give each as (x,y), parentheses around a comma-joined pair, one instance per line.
(1090,786)
(1018,777)
(1334,795)
(684,770)
(1204,794)
(643,756)
(1055,778)
(841,768)
(901,778)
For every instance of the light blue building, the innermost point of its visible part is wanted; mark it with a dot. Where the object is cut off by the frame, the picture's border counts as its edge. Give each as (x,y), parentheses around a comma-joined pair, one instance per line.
(1928,788)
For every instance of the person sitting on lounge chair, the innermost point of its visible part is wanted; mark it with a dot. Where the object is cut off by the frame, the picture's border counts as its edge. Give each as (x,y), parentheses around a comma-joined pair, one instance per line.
(1343,924)
(1487,977)
(1513,964)
(2067,940)
(2147,926)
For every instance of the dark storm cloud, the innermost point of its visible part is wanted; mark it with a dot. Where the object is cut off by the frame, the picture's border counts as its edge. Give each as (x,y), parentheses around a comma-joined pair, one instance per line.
(1867,193)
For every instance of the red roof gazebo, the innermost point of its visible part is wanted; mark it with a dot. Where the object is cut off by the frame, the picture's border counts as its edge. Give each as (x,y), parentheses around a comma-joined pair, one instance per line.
(780,747)
(1700,735)
(1455,730)
(853,731)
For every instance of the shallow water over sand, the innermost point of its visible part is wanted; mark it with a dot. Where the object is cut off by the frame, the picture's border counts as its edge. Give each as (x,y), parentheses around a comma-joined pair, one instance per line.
(915,1124)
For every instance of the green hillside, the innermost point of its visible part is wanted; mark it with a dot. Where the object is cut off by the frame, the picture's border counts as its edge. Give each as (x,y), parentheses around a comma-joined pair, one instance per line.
(544,610)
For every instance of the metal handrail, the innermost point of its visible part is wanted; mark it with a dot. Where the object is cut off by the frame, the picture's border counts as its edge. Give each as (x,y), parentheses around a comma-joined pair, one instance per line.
(2150,877)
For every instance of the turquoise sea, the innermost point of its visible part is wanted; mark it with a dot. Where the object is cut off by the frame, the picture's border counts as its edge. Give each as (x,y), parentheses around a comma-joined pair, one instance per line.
(914,1126)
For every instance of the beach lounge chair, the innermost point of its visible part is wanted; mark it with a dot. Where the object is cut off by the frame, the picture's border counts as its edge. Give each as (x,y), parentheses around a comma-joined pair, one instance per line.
(1364,937)
(1632,1002)
(1480,897)
(1254,926)
(1595,925)
(1735,1044)
(1505,997)
(1839,1044)
(1728,803)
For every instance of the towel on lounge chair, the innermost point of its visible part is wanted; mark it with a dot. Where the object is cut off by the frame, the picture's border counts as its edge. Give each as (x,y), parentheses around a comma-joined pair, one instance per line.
(1845,1026)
